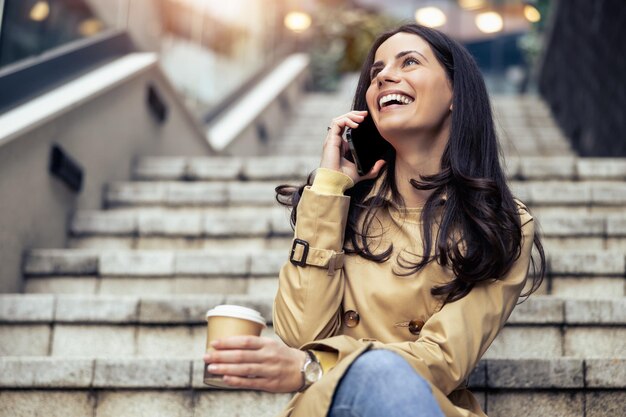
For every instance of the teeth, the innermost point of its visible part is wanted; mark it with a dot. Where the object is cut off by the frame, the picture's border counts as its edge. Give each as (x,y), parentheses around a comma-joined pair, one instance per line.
(397,97)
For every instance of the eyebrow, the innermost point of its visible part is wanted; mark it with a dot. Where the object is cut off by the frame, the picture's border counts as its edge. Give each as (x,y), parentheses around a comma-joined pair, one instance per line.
(399,55)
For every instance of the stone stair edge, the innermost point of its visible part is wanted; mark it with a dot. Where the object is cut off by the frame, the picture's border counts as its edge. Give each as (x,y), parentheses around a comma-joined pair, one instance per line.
(191,309)
(171,373)
(106,309)
(153,263)
(267,221)
(270,221)
(277,166)
(246,193)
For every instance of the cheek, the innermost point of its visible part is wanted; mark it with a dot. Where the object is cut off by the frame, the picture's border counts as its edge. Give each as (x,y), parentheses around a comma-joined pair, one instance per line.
(440,95)
(369,98)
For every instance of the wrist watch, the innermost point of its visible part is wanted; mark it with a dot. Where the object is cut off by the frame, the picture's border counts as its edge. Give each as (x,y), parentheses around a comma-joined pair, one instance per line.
(311,371)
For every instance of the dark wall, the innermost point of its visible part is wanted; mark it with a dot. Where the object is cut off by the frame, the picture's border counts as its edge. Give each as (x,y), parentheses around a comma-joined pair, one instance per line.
(583,74)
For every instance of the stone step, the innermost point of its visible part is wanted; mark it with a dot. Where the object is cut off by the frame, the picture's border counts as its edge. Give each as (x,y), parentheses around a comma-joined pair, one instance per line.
(116,401)
(601,287)
(190,309)
(259,228)
(167,242)
(274,222)
(229,285)
(181,373)
(573,273)
(216,223)
(223,168)
(567,387)
(159,263)
(127,326)
(295,167)
(220,193)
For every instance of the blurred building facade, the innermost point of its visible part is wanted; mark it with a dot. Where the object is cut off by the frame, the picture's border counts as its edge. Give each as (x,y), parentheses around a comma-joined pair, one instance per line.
(210,49)
(583,75)
(214,52)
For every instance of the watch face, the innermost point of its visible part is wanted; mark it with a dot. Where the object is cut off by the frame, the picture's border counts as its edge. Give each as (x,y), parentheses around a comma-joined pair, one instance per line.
(312,372)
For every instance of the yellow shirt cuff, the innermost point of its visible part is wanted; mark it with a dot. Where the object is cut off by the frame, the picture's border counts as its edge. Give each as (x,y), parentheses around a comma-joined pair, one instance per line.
(331,182)
(328,360)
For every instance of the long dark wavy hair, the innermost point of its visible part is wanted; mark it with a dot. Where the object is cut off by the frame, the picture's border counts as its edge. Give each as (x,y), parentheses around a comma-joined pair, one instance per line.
(478,233)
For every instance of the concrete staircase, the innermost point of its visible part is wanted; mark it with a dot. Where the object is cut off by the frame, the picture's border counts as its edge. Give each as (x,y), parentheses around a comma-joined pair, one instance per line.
(114,325)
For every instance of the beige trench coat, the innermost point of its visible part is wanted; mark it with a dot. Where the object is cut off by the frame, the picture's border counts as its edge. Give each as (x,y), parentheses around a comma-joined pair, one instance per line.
(312,300)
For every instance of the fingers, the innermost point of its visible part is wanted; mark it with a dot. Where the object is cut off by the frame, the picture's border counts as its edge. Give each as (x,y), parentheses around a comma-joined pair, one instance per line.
(351,119)
(333,150)
(239,349)
(240,342)
(232,356)
(249,383)
(256,363)
(240,369)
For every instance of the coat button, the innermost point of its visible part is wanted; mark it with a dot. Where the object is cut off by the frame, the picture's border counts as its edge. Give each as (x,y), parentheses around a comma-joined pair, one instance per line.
(351,318)
(415,326)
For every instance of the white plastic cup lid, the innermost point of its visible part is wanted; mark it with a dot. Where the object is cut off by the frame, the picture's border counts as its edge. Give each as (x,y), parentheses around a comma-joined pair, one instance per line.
(239,312)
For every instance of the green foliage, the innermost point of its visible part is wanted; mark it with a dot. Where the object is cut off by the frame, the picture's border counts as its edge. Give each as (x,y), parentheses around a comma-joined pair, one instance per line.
(531,43)
(340,40)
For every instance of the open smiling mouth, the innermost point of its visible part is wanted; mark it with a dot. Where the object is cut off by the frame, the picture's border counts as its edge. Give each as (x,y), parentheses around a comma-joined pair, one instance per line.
(391,99)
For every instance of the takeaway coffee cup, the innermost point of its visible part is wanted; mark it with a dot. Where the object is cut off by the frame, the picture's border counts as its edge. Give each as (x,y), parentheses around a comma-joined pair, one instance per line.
(230,320)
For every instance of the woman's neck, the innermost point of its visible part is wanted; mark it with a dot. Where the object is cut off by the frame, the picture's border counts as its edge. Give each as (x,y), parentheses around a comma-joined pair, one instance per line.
(412,162)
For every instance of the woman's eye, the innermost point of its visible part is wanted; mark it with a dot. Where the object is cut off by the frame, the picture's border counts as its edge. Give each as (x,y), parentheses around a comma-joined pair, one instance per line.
(374,73)
(410,61)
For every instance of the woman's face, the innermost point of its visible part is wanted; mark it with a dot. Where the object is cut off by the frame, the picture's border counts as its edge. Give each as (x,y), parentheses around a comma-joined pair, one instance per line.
(409,92)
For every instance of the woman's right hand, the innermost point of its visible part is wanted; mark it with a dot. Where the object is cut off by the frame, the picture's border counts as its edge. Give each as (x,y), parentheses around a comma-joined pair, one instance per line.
(335,147)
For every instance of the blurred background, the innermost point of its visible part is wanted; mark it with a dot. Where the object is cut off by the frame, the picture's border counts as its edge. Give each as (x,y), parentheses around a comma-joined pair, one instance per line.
(212,49)
(209,48)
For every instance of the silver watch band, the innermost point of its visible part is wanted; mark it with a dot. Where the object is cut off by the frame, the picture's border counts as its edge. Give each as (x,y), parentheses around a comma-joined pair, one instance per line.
(310,359)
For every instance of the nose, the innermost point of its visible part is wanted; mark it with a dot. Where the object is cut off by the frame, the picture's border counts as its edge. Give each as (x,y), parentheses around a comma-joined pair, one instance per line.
(387,75)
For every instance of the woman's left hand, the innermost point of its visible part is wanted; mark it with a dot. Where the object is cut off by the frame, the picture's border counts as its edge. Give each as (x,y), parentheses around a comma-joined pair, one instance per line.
(258,363)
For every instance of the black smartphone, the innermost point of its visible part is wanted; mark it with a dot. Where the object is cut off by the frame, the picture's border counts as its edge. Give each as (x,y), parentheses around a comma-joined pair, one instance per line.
(366,149)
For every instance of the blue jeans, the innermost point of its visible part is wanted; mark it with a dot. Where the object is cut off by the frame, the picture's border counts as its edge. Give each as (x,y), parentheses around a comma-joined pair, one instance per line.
(380,383)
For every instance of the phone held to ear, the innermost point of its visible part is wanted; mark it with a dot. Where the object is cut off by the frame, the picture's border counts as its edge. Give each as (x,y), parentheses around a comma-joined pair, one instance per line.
(353,152)
(365,150)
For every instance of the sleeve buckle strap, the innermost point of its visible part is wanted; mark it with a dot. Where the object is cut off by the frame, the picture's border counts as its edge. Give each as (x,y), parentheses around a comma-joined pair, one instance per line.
(302,254)
(305,252)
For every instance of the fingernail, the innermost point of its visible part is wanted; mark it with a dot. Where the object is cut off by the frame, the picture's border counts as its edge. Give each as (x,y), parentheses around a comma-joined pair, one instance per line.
(213,343)
(212,368)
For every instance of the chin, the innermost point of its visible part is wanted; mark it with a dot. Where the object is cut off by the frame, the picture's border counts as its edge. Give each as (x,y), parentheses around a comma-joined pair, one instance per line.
(389,129)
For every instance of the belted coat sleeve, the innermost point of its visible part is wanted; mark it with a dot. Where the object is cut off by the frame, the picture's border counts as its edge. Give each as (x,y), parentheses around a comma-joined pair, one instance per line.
(309,304)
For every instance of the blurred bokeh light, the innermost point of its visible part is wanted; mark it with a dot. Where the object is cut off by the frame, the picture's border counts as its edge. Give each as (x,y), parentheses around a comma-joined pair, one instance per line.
(531,13)
(489,22)
(40,11)
(297,21)
(430,16)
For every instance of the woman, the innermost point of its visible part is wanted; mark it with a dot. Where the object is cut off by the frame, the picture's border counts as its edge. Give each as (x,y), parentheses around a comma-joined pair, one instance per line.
(398,280)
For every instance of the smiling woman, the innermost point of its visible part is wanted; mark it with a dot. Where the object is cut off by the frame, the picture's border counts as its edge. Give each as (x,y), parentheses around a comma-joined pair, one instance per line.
(400,279)
(424,84)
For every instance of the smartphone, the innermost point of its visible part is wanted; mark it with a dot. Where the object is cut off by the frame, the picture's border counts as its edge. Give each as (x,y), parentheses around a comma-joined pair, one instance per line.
(366,149)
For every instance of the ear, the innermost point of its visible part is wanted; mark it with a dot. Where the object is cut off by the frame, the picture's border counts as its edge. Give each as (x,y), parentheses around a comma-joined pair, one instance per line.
(450,106)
